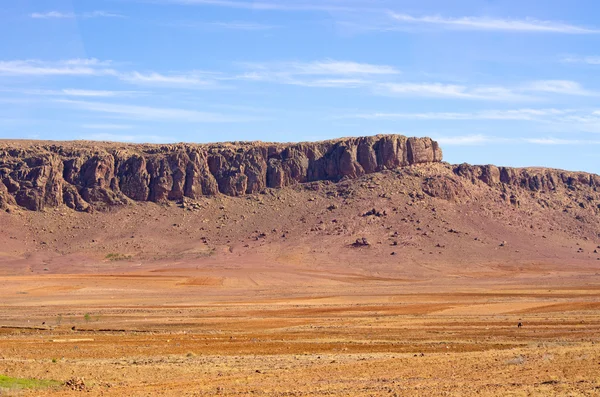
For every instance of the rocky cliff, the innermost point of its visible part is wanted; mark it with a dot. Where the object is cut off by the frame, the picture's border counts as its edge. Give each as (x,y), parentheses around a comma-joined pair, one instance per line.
(86,175)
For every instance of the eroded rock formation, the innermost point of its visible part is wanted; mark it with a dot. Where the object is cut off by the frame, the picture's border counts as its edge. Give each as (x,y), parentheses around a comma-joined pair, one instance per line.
(533,179)
(84,175)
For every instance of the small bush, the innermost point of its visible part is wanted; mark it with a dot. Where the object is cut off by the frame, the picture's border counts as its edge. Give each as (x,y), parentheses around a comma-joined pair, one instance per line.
(117,257)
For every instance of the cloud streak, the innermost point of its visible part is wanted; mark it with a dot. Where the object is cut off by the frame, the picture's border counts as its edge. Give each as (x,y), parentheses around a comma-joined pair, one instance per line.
(241,26)
(513,114)
(111,137)
(107,126)
(288,5)
(71,67)
(72,15)
(137,112)
(326,73)
(454,91)
(192,79)
(493,24)
(590,60)
(525,91)
(479,139)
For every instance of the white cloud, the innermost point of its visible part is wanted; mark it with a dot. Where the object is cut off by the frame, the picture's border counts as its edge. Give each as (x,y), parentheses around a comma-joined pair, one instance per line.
(565,87)
(192,79)
(155,113)
(497,93)
(127,138)
(330,83)
(72,15)
(107,126)
(495,24)
(332,67)
(558,141)
(74,92)
(52,14)
(325,67)
(466,140)
(513,114)
(288,5)
(101,14)
(326,73)
(241,25)
(470,140)
(440,90)
(590,60)
(96,93)
(71,67)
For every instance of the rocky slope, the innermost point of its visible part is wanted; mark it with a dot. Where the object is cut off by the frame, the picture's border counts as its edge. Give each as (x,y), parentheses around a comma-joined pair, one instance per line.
(92,175)
(84,175)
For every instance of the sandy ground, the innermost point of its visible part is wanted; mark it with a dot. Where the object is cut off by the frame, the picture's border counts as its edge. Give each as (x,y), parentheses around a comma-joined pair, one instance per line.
(191,332)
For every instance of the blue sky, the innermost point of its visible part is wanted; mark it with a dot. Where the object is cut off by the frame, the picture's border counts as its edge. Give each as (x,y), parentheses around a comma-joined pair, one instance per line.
(495,81)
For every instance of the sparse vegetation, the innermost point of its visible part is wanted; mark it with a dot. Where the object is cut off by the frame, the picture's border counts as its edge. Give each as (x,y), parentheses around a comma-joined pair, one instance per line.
(87,317)
(7,382)
(117,257)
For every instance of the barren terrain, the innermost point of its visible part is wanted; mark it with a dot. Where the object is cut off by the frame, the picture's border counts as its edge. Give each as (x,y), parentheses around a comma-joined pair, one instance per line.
(400,282)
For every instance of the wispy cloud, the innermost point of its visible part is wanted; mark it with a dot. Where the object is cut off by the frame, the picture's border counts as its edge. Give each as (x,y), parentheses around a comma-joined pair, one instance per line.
(288,5)
(241,25)
(107,126)
(127,138)
(479,139)
(441,90)
(52,15)
(564,87)
(465,140)
(494,24)
(96,93)
(193,79)
(558,120)
(558,141)
(72,15)
(326,67)
(71,67)
(137,112)
(73,92)
(590,60)
(513,114)
(326,73)
(524,91)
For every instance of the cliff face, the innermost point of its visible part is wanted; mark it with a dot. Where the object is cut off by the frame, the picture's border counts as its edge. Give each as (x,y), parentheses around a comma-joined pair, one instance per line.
(532,179)
(85,175)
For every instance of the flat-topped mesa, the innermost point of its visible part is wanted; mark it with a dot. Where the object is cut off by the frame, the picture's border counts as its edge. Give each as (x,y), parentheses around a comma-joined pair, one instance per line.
(85,175)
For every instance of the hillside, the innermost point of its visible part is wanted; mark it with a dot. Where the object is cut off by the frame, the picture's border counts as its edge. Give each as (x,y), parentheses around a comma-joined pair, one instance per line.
(412,209)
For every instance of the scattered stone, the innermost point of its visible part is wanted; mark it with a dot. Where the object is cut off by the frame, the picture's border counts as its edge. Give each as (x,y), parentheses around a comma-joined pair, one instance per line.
(77,384)
(375,212)
(361,242)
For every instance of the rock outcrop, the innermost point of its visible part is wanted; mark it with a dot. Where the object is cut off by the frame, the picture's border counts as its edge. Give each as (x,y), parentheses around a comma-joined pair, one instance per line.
(86,175)
(532,179)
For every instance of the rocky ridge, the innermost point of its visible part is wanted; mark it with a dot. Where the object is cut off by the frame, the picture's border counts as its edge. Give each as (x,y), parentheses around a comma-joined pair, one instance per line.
(92,175)
(85,175)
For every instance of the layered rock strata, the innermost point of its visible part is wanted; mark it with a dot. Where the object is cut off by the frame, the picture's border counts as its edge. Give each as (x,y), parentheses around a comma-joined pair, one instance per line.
(87,175)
